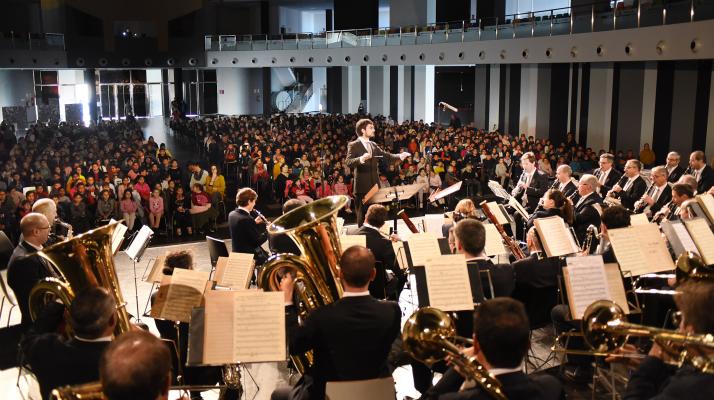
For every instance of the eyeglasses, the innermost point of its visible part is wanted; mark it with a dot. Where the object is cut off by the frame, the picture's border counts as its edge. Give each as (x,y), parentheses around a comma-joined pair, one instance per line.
(45,227)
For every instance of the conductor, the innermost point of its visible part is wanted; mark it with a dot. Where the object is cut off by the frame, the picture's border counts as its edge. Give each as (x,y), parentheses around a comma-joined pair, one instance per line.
(363,157)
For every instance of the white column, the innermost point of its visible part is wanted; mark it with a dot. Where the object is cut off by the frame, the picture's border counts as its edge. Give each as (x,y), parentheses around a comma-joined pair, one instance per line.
(378,90)
(529,99)
(600,106)
(494,96)
(649,93)
(424,93)
(350,89)
(709,150)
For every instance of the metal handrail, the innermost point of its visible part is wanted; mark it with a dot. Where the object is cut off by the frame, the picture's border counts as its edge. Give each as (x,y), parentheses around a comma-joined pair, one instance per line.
(532,21)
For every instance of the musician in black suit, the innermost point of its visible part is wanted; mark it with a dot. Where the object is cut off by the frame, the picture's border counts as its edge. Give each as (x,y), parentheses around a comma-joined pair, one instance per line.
(606,175)
(350,338)
(612,218)
(382,249)
(554,203)
(247,228)
(536,281)
(588,208)
(658,194)
(501,340)
(57,361)
(531,185)
(631,186)
(564,182)
(653,378)
(363,157)
(26,268)
(703,173)
(281,242)
(674,170)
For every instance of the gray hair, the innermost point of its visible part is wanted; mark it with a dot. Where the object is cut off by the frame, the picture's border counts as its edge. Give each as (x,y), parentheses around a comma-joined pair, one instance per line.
(589,180)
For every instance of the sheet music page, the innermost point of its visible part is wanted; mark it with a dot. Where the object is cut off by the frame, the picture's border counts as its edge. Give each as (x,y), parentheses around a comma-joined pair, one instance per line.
(156,270)
(496,211)
(447,281)
(401,255)
(422,247)
(237,271)
(494,241)
(136,245)
(118,236)
(555,236)
(639,219)
(260,326)
(185,292)
(348,241)
(218,342)
(706,201)
(684,237)
(640,249)
(703,238)
(433,223)
(616,287)
(586,282)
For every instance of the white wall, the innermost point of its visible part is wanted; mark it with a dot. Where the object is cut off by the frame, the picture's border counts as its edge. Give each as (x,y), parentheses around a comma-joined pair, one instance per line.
(600,105)
(15,84)
(319,81)
(424,93)
(494,95)
(238,86)
(529,99)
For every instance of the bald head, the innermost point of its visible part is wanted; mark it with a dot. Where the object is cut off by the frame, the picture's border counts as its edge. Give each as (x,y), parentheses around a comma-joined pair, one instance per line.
(357,267)
(35,228)
(136,366)
(46,207)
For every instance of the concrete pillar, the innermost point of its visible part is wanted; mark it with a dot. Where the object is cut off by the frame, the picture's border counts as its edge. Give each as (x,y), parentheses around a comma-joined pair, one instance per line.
(378,90)
(424,93)
(529,99)
(494,94)
(351,81)
(404,93)
(90,80)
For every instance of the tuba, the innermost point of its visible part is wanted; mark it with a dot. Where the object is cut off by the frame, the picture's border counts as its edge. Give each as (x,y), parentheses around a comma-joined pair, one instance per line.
(313,227)
(429,335)
(84,261)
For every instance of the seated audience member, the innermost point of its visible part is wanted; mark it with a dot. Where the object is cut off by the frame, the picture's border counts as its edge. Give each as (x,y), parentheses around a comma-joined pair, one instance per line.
(57,361)
(350,338)
(128,207)
(106,207)
(216,185)
(653,378)
(136,366)
(202,214)
(501,339)
(156,209)
(382,248)
(281,242)
(181,204)
(25,267)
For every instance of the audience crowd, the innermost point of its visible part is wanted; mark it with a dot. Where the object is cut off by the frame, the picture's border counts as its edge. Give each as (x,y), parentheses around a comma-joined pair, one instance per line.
(110,170)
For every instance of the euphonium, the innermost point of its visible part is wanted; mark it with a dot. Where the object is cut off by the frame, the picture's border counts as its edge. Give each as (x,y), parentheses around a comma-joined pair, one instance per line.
(81,262)
(87,391)
(313,227)
(429,335)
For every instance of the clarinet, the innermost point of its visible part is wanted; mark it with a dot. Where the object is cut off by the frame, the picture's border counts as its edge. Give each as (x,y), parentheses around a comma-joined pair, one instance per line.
(641,206)
(512,245)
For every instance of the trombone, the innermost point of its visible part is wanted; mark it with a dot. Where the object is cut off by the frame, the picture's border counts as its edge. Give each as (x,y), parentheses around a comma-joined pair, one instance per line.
(605,329)
(429,336)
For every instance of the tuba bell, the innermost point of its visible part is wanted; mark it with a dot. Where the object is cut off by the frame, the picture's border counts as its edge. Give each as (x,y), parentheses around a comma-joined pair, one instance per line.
(313,227)
(84,261)
(428,336)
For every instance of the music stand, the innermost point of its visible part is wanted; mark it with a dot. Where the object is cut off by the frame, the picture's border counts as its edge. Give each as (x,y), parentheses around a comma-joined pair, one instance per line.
(394,195)
(135,251)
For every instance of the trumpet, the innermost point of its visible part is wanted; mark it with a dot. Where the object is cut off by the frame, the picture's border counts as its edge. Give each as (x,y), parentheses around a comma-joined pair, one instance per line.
(605,330)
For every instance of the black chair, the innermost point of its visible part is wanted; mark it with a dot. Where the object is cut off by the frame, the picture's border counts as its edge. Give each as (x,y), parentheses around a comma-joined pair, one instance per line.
(378,287)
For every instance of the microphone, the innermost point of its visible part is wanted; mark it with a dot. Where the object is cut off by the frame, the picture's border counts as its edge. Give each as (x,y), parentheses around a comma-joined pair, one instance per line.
(444,106)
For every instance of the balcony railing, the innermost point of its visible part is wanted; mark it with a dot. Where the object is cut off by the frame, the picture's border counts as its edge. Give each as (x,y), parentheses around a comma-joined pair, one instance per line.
(559,21)
(32,41)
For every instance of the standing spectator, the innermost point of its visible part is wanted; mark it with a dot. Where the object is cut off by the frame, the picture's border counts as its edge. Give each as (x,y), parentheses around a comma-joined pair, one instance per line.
(156,209)
(182,216)
(647,156)
(128,209)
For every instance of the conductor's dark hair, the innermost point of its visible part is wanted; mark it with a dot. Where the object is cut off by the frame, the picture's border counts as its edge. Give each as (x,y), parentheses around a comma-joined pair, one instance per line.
(615,217)
(471,234)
